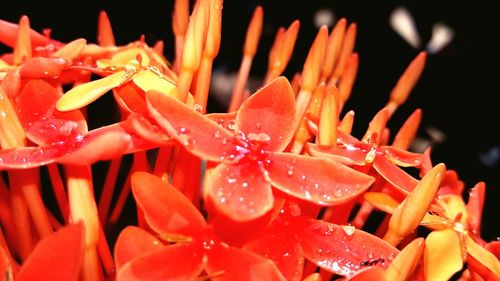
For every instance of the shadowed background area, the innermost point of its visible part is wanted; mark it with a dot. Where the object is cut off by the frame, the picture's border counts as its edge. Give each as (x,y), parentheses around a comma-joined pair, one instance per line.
(456,91)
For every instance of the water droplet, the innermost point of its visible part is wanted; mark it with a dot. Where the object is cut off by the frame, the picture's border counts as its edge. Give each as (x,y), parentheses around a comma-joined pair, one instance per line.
(231,125)
(338,193)
(241,199)
(244,184)
(258,125)
(217,134)
(197,107)
(290,170)
(231,180)
(182,130)
(303,177)
(348,229)
(225,141)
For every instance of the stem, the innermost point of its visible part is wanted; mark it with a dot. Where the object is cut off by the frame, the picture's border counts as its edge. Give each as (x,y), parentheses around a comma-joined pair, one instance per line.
(239,87)
(28,181)
(108,189)
(22,222)
(162,162)
(105,253)
(6,214)
(83,208)
(60,193)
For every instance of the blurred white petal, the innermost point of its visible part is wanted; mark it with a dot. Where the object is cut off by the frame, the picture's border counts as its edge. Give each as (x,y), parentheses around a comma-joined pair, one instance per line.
(402,22)
(441,37)
(324,17)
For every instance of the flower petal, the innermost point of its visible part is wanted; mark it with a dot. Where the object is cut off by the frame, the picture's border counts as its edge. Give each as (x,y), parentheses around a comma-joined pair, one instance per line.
(239,191)
(483,257)
(374,273)
(316,180)
(147,80)
(442,255)
(287,254)
(338,154)
(57,257)
(402,157)
(176,262)
(236,264)
(381,201)
(166,209)
(475,207)
(85,94)
(72,50)
(200,135)
(226,120)
(343,250)
(397,177)
(407,260)
(134,242)
(29,157)
(270,111)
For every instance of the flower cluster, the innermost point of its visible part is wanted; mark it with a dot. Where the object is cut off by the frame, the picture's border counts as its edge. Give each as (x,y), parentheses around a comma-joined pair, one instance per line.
(275,189)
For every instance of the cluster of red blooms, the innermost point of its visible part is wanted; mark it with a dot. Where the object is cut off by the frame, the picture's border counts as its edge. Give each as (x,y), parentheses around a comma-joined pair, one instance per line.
(275,189)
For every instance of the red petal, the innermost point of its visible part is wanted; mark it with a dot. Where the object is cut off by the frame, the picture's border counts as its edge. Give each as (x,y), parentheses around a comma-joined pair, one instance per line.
(343,250)
(200,135)
(236,264)
(40,67)
(239,191)
(176,262)
(316,180)
(394,175)
(287,254)
(8,32)
(166,209)
(341,155)
(271,111)
(369,274)
(402,157)
(101,144)
(130,99)
(132,243)
(28,157)
(57,257)
(226,120)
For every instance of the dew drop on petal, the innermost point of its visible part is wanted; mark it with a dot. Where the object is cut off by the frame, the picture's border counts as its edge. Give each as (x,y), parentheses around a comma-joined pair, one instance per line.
(217,134)
(348,229)
(231,125)
(182,130)
(197,107)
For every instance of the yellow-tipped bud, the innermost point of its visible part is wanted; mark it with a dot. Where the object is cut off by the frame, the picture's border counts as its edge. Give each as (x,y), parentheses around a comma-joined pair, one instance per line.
(180,17)
(376,126)
(347,122)
(408,80)
(72,50)
(195,36)
(212,43)
(347,49)
(406,134)
(347,79)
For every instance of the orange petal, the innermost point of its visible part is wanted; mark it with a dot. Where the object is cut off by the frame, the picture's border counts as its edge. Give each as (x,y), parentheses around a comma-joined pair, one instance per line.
(58,257)
(316,180)
(333,47)
(180,17)
(406,261)
(381,201)
(338,154)
(269,111)
(132,243)
(85,94)
(443,255)
(329,118)
(9,32)
(343,250)
(483,257)
(348,78)
(402,157)
(239,191)
(226,120)
(475,206)
(166,209)
(347,49)
(176,262)
(241,265)
(376,127)
(40,67)
(195,36)
(199,135)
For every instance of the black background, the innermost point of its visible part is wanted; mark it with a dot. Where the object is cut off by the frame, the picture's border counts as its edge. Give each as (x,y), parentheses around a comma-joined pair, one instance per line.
(457,91)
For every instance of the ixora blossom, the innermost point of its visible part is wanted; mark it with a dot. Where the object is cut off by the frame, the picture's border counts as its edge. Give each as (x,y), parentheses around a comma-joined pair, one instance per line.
(276,189)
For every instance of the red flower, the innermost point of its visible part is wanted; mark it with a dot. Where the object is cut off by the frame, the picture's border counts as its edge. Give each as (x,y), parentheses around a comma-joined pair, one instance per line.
(251,156)
(343,250)
(142,256)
